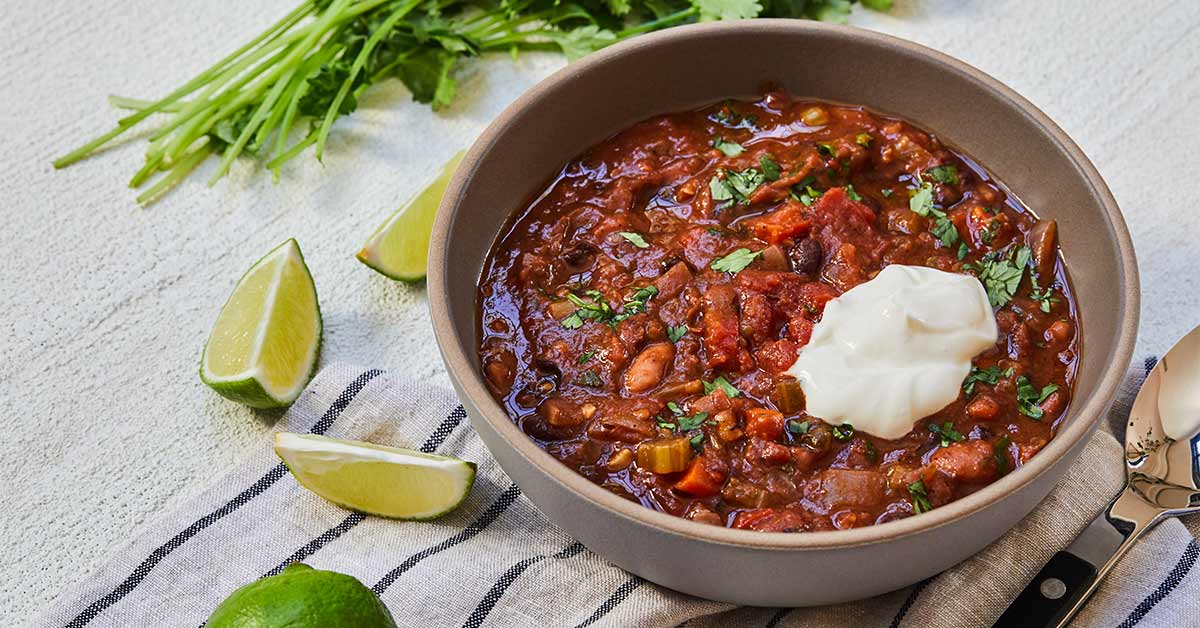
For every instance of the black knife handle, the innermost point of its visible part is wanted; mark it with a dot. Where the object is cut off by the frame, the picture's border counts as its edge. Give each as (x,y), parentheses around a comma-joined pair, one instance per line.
(1051,594)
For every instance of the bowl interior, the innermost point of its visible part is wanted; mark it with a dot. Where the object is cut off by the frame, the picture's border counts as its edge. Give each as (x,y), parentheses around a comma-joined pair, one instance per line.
(686,67)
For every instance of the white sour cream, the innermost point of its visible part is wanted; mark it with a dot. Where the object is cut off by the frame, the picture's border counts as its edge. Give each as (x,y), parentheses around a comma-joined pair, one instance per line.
(895,349)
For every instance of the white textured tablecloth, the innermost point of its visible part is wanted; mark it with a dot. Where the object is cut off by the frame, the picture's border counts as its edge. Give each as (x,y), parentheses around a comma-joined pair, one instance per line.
(106,306)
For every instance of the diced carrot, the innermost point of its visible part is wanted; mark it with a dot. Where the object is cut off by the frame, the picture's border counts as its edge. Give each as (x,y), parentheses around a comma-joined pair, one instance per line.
(699,480)
(764,423)
(782,224)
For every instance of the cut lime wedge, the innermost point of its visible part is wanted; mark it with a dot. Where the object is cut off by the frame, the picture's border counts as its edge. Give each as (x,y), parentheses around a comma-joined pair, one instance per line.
(263,349)
(376,480)
(400,246)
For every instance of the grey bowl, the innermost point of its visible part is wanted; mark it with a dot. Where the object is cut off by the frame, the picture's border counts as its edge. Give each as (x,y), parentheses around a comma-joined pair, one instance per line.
(683,68)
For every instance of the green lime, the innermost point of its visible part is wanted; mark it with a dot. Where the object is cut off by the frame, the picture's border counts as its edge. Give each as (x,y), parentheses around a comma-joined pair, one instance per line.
(399,248)
(263,349)
(302,597)
(377,480)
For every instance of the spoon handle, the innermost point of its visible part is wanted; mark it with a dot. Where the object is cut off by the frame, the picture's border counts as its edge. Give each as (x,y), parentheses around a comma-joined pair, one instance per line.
(1070,577)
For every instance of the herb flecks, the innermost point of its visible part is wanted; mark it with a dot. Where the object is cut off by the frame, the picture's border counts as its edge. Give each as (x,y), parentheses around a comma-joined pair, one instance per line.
(596,308)
(990,375)
(635,239)
(729,148)
(946,433)
(723,384)
(1029,397)
(921,203)
(843,432)
(919,497)
(675,332)
(1001,273)
(735,262)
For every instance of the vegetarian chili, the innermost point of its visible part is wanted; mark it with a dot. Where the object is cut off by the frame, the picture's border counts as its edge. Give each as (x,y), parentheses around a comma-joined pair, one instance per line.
(638,317)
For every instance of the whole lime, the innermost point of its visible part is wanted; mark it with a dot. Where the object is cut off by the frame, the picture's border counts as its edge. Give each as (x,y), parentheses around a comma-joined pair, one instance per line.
(302,597)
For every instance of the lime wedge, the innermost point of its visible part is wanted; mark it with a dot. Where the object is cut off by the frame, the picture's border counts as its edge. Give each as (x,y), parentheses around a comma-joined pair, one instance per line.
(376,480)
(263,349)
(400,246)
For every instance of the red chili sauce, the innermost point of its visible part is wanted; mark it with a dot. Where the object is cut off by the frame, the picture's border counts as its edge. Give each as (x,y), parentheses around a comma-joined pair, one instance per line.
(638,316)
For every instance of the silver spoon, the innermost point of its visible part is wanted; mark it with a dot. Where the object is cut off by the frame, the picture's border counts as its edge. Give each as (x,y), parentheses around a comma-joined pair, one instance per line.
(1162,480)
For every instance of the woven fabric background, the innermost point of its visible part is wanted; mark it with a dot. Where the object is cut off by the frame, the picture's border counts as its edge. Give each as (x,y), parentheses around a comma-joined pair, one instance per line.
(497,561)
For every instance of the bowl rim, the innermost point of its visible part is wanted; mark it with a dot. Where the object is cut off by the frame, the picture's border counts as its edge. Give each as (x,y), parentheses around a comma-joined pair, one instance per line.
(462,365)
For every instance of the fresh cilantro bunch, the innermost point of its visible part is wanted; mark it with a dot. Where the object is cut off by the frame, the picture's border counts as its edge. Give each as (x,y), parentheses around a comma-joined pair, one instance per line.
(280,93)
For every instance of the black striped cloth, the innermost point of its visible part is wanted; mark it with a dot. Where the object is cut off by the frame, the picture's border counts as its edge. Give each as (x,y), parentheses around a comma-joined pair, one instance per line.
(497,561)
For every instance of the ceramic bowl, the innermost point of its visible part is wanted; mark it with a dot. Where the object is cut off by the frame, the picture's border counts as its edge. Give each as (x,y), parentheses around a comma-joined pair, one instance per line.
(686,67)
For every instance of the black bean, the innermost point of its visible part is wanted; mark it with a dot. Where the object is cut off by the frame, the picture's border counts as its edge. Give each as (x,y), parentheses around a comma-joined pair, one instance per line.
(806,257)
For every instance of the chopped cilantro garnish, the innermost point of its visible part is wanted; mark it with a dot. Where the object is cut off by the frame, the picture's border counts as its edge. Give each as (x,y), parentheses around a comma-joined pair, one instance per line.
(886,192)
(597,309)
(1000,451)
(674,408)
(731,149)
(590,379)
(688,423)
(944,174)
(1028,397)
(736,261)
(798,427)
(920,497)
(723,384)
(810,195)
(962,251)
(675,332)
(635,239)
(665,424)
(990,375)
(988,233)
(851,193)
(1001,273)
(825,148)
(737,185)
(921,204)
(863,139)
(843,432)
(770,168)
(1045,297)
(946,432)
(697,441)
(921,201)
(716,232)
(586,356)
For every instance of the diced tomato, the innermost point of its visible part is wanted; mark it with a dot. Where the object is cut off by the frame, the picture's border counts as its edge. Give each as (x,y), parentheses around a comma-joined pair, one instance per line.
(764,423)
(776,356)
(800,331)
(782,224)
(836,203)
(721,334)
(768,520)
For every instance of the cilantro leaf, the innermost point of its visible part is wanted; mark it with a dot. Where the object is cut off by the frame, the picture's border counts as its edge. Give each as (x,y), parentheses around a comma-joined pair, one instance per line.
(843,432)
(944,229)
(1029,397)
(635,239)
(744,183)
(720,382)
(946,432)
(735,262)
(675,332)
(1045,297)
(1000,451)
(712,10)
(947,174)
(863,139)
(962,251)
(770,168)
(586,356)
(579,42)
(886,192)
(921,202)
(852,193)
(720,191)
(731,149)
(990,375)
(688,423)
(1001,274)
(920,497)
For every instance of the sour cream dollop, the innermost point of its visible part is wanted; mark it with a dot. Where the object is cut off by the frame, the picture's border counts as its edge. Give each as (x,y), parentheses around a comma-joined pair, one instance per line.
(895,349)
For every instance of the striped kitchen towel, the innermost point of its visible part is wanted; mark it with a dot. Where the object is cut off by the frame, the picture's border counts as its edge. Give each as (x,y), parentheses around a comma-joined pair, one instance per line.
(497,561)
